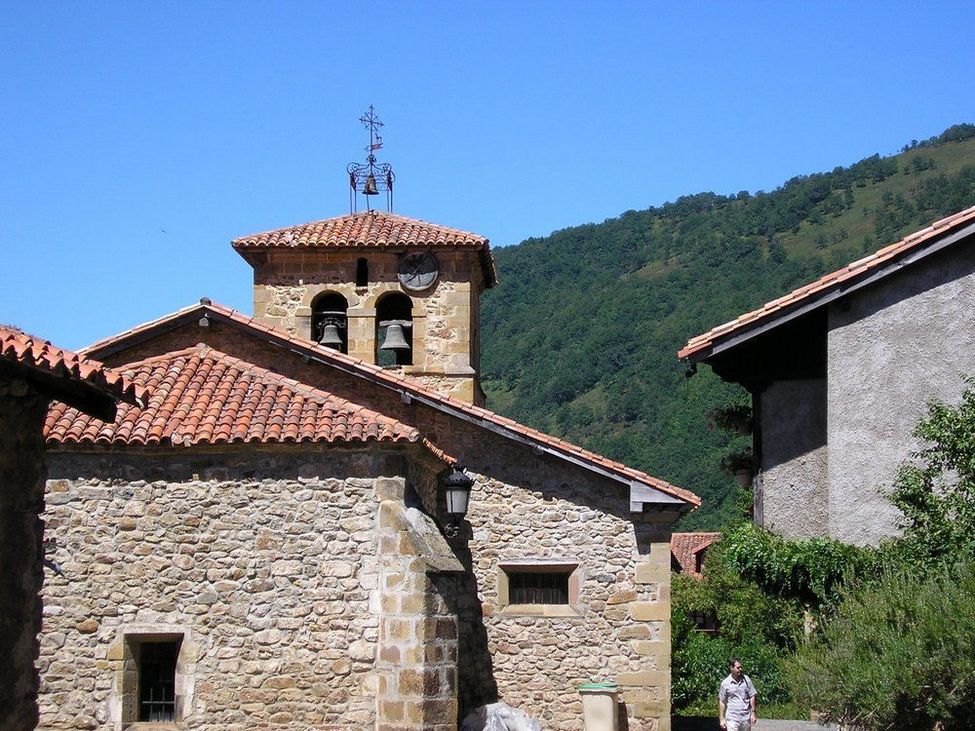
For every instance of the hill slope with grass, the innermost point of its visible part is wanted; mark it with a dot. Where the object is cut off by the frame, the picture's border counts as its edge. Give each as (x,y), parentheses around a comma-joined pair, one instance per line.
(580,337)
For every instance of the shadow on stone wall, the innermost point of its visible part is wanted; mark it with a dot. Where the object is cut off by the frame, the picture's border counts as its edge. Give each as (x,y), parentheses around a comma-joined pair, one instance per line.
(476,685)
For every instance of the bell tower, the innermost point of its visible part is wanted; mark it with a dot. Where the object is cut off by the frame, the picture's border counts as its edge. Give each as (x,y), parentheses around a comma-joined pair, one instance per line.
(389,290)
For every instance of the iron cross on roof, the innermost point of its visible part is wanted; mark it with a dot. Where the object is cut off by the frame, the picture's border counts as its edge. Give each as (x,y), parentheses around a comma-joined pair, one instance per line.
(372,177)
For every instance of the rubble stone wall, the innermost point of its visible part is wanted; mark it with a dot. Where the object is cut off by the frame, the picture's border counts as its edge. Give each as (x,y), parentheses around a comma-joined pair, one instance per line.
(267,565)
(444,348)
(272,568)
(532,509)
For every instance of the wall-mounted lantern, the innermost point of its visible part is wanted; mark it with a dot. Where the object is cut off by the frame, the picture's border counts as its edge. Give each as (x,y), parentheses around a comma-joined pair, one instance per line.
(458,489)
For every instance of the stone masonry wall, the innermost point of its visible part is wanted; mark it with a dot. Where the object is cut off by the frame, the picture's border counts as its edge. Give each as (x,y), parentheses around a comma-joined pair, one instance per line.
(418,647)
(275,635)
(266,562)
(21,500)
(526,508)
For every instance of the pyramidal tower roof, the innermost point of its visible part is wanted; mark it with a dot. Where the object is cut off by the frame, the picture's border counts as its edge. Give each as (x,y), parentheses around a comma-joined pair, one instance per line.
(367,230)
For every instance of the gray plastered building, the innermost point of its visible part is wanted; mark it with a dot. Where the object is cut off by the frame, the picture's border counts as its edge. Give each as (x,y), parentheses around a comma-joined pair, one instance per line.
(840,371)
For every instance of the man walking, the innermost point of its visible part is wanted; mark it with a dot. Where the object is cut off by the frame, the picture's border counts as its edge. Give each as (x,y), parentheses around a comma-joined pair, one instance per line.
(736,700)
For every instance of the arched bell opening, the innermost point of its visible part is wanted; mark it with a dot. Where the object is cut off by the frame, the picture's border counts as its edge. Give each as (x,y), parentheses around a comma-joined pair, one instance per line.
(329,321)
(394,330)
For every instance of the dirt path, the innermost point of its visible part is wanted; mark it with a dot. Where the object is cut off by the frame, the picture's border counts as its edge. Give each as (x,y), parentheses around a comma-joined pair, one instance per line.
(711,724)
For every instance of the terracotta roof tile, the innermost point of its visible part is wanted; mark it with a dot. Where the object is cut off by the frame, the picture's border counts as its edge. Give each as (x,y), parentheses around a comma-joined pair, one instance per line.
(399,382)
(685,547)
(28,351)
(203,396)
(368,229)
(859,268)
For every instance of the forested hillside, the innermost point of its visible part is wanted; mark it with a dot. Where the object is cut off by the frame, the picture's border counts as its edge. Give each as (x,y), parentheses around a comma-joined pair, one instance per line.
(580,337)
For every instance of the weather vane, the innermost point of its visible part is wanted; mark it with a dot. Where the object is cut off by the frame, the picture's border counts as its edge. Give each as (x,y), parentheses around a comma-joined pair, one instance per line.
(372,177)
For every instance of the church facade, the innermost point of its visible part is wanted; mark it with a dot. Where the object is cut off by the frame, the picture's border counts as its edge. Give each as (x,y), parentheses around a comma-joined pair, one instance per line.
(272,539)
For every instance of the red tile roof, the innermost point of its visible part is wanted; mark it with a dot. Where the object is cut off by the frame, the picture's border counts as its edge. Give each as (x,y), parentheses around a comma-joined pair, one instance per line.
(402,384)
(685,547)
(700,346)
(203,396)
(368,229)
(30,352)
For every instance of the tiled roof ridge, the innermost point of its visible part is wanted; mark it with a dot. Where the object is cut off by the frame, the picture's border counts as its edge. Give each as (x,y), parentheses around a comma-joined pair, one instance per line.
(141,327)
(249,240)
(32,351)
(684,547)
(376,373)
(133,365)
(368,230)
(250,370)
(205,396)
(438,452)
(851,270)
(706,539)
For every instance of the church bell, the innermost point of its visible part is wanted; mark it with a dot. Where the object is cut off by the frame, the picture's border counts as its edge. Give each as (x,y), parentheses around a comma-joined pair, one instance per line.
(370,187)
(394,339)
(330,337)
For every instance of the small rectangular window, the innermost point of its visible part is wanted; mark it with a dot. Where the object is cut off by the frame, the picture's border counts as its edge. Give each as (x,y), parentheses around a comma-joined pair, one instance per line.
(156,663)
(538,588)
(156,675)
(542,588)
(704,621)
(361,272)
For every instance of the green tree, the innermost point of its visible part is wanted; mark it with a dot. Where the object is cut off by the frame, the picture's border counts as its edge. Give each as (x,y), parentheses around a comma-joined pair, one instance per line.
(580,335)
(777,252)
(936,494)
(899,651)
(754,625)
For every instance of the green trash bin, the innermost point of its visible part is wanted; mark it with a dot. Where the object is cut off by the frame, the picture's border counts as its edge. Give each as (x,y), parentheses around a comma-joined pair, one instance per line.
(599,709)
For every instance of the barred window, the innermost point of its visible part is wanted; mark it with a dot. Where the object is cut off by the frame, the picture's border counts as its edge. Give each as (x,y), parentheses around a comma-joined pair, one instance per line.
(538,588)
(157,680)
(150,670)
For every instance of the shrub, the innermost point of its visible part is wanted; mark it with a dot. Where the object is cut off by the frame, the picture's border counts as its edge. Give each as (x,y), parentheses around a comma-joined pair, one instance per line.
(757,627)
(742,609)
(898,654)
(698,663)
(897,647)
(810,570)
(936,494)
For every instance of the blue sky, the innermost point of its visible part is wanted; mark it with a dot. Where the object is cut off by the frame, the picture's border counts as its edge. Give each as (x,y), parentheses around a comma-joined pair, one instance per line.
(139,138)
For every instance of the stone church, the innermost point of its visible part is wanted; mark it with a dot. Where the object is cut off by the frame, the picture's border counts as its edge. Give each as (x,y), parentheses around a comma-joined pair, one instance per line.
(314,523)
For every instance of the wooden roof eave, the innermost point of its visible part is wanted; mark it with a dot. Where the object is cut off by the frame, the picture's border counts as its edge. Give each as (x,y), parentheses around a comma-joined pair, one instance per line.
(838,291)
(85,397)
